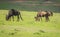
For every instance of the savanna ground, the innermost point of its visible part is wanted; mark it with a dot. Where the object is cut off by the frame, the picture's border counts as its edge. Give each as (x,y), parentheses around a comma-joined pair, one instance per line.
(29,27)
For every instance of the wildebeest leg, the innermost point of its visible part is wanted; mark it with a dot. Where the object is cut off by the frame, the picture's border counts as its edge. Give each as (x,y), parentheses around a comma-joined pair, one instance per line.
(47,19)
(18,18)
(13,18)
(38,19)
(10,19)
(41,18)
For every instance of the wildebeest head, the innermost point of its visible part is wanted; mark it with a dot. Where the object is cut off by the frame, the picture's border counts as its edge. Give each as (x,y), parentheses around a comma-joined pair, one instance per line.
(36,18)
(7,17)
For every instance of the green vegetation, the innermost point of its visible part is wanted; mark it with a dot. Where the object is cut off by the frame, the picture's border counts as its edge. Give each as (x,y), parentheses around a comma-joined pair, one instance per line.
(29,27)
(30,6)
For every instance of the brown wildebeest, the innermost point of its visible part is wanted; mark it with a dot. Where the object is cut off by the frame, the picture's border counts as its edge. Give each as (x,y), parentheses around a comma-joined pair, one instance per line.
(13,13)
(45,14)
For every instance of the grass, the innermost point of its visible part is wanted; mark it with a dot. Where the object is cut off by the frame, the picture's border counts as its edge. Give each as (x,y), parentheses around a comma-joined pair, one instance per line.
(29,27)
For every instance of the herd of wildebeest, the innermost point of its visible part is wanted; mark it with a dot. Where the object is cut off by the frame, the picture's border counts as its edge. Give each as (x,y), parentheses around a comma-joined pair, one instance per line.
(38,17)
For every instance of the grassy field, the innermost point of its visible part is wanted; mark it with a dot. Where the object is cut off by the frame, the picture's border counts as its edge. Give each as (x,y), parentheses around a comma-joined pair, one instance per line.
(29,27)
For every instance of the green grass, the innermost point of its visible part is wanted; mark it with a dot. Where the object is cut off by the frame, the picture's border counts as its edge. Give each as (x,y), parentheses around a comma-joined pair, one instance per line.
(29,27)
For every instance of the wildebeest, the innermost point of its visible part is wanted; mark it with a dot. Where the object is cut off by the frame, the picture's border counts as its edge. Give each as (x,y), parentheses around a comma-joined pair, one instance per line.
(13,13)
(45,14)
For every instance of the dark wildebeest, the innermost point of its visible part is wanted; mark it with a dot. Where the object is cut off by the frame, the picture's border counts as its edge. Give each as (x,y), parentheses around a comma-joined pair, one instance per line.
(13,13)
(45,14)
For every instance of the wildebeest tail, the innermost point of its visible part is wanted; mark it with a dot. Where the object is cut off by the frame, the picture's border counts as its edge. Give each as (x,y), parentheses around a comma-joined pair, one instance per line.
(51,13)
(20,16)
